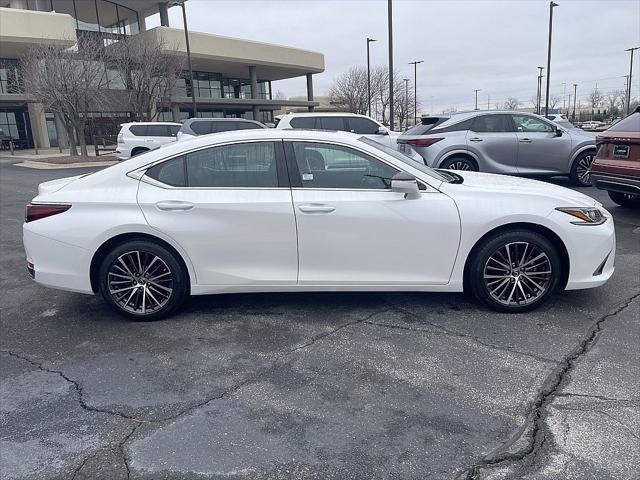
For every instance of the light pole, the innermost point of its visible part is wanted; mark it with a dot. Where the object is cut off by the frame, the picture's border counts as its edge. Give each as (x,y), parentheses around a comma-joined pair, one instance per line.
(575,95)
(390,21)
(186,41)
(630,50)
(369,40)
(539,98)
(477,90)
(564,95)
(488,102)
(546,100)
(406,101)
(415,88)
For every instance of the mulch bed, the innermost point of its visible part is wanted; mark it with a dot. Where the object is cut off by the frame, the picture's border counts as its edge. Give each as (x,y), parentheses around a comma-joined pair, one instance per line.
(68,159)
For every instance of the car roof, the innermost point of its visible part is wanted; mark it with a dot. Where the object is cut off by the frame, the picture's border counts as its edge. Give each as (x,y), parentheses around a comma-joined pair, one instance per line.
(214,119)
(322,114)
(128,124)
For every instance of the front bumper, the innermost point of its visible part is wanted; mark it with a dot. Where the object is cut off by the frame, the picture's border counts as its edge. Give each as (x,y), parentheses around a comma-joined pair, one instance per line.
(617,183)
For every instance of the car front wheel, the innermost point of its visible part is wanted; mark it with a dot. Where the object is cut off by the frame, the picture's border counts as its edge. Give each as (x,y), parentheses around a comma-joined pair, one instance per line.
(514,271)
(625,199)
(580,175)
(142,280)
(460,163)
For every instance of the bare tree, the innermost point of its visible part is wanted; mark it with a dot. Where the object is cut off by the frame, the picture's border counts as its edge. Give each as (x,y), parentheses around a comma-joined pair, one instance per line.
(403,102)
(614,100)
(511,103)
(69,82)
(147,71)
(280,95)
(554,101)
(349,91)
(595,98)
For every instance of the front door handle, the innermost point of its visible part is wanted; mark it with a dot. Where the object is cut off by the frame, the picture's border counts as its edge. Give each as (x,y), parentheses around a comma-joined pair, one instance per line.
(174,205)
(525,140)
(316,208)
(475,139)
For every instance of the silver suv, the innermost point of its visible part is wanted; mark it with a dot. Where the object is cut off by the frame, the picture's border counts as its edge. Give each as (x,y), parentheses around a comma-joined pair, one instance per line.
(511,142)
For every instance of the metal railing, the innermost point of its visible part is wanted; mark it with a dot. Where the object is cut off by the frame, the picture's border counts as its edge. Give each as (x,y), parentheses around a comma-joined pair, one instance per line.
(105,144)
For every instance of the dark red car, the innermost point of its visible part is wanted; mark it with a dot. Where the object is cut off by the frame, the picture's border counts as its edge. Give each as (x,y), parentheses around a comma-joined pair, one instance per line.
(616,167)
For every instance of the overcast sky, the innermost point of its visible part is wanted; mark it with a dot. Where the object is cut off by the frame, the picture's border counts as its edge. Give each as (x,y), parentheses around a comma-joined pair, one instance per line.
(466,44)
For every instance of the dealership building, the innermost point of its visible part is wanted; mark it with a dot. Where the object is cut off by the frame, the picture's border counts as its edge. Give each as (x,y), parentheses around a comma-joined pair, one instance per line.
(232,77)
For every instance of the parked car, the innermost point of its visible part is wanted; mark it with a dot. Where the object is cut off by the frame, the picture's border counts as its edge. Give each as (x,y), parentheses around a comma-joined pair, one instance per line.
(344,122)
(138,137)
(616,167)
(592,125)
(561,119)
(501,142)
(193,127)
(297,210)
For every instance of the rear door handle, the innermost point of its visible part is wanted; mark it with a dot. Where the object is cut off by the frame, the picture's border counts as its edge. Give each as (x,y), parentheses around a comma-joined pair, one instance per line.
(525,140)
(475,139)
(174,205)
(316,208)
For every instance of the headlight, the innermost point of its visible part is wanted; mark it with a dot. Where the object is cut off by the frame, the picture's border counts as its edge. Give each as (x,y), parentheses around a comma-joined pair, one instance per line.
(585,216)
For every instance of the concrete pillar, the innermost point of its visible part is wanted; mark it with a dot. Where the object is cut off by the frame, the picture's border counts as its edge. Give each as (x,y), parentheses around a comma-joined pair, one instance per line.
(61,131)
(142,22)
(253,77)
(38,124)
(164,14)
(175,112)
(310,90)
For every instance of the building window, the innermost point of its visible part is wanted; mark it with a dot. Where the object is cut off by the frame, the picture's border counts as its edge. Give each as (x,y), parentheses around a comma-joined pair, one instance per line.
(39,5)
(128,21)
(108,15)
(87,16)
(8,76)
(14,126)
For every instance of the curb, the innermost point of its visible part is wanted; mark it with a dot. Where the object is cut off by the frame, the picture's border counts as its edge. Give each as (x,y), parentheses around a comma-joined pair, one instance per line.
(55,166)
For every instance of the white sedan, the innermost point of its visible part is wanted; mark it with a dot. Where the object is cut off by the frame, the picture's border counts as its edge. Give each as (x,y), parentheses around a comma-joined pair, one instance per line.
(295,210)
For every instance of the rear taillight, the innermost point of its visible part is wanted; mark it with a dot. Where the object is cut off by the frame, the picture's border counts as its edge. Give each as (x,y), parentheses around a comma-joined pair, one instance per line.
(36,211)
(600,139)
(423,142)
(120,138)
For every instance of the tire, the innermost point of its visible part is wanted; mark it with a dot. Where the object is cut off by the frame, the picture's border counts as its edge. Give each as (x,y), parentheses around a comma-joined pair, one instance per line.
(580,174)
(460,163)
(625,199)
(506,290)
(134,295)
(138,151)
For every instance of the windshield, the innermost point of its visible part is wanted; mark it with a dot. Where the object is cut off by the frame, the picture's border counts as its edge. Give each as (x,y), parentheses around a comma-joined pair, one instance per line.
(404,158)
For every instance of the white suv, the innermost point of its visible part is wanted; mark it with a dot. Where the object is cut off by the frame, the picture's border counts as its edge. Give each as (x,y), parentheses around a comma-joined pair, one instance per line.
(139,137)
(346,122)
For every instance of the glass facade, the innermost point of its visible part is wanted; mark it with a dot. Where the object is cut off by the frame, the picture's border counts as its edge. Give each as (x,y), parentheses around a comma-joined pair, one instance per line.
(102,16)
(14,125)
(214,85)
(8,75)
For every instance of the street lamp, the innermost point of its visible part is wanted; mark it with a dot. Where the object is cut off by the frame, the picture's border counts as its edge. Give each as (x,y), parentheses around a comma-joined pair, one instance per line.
(415,88)
(369,40)
(630,50)
(406,101)
(390,26)
(539,99)
(477,90)
(546,100)
(575,95)
(186,40)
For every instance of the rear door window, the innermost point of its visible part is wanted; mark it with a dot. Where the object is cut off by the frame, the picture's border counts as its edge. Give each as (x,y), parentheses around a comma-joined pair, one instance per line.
(491,124)
(363,126)
(332,123)
(138,130)
(201,128)
(171,172)
(303,122)
(157,131)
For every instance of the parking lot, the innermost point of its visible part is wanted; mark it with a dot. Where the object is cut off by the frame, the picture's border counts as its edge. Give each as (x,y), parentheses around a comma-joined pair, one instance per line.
(305,386)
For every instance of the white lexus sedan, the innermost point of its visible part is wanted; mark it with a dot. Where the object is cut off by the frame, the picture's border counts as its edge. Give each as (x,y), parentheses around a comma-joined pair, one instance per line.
(295,210)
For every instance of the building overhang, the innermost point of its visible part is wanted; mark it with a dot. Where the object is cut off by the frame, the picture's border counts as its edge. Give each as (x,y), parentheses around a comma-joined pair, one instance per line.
(232,57)
(20,30)
(243,102)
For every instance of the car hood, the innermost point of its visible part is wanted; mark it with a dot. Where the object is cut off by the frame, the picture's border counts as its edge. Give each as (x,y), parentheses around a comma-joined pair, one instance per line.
(489,182)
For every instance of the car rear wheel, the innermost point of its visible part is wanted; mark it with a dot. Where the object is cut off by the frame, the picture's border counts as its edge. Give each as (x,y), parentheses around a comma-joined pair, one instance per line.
(138,151)
(625,199)
(142,280)
(580,174)
(514,271)
(460,163)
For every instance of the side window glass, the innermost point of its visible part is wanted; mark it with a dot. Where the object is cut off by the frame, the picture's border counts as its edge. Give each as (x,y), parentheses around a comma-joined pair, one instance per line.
(244,165)
(525,123)
(201,128)
(138,130)
(174,129)
(363,126)
(489,124)
(157,131)
(332,123)
(303,122)
(333,166)
(170,172)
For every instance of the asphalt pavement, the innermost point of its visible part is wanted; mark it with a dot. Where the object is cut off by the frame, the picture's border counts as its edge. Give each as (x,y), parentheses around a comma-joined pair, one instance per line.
(317,386)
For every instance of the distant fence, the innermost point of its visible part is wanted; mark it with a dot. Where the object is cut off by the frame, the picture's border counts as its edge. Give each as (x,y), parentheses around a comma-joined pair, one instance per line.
(105,144)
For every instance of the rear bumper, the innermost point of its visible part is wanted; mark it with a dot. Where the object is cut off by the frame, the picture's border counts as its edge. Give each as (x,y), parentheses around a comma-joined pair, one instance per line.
(123,153)
(616,183)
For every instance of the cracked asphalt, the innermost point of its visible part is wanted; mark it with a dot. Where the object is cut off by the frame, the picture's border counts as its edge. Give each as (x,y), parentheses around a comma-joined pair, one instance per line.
(317,386)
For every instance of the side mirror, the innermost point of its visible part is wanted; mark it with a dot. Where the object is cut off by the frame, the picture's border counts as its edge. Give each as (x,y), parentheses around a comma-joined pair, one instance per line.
(382,131)
(403,182)
(558,132)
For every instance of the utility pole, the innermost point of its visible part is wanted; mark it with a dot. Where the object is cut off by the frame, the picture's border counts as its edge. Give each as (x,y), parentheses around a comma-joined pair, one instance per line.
(477,90)
(575,95)
(415,88)
(186,41)
(569,105)
(630,50)
(564,95)
(546,100)
(390,21)
(369,40)
(488,102)
(539,97)
(406,101)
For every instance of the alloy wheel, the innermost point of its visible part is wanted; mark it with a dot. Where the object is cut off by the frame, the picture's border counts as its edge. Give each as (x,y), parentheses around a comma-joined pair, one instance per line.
(517,273)
(459,165)
(140,282)
(583,169)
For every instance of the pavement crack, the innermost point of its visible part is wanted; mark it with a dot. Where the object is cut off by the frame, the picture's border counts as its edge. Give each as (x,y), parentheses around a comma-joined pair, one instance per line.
(76,385)
(537,409)
(123,453)
(597,397)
